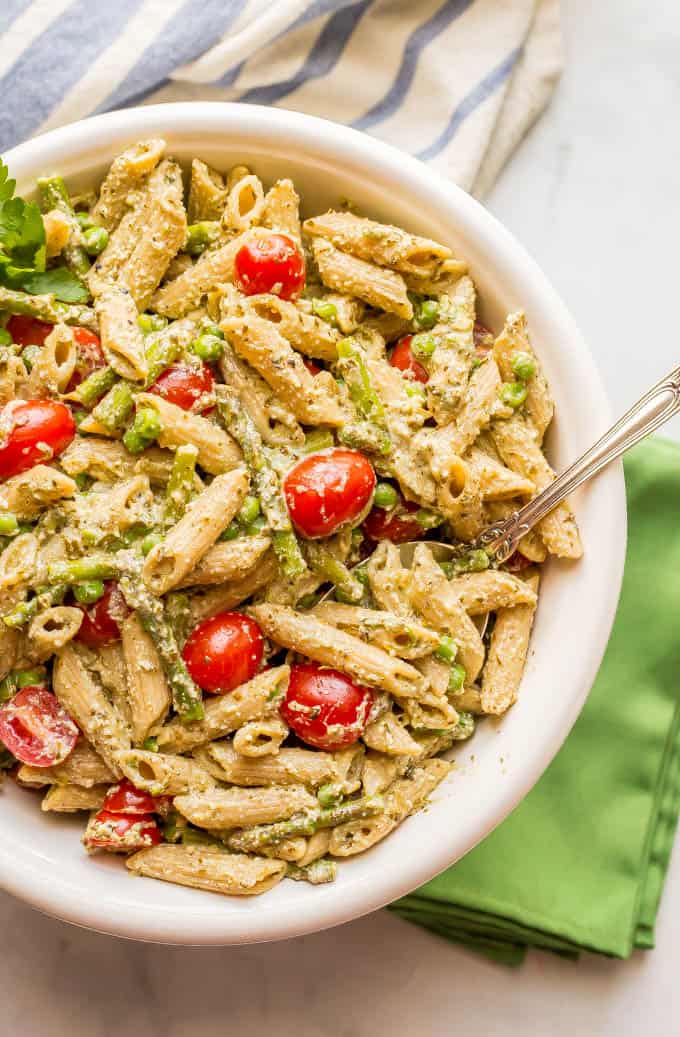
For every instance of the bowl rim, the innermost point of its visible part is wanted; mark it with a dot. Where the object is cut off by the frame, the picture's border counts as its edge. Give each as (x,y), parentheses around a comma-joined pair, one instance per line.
(55,896)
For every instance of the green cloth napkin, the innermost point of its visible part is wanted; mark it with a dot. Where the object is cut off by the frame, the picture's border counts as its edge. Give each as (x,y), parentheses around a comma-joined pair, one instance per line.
(580,864)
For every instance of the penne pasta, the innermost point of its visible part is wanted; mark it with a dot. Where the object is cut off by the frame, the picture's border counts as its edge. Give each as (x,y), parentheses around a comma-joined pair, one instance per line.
(379,287)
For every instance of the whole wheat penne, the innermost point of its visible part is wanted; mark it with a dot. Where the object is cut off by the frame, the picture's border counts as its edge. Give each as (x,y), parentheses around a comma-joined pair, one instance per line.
(217,451)
(287,767)
(52,629)
(126,173)
(507,654)
(206,867)
(325,644)
(121,338)
(281,211)
(187,541)
(163,774)
(86,702)
(261,737)
(83,767)
(379,243)
(305,332)
(227,713)
(387,735)
(240,807)
(55,364)
(222,563)
(207,193)
(406,638)
(67,799)
(231,594)
(450,365)
(492,589)
(376,285)
(149,696)
(245,203)
(513,341)
(28,494)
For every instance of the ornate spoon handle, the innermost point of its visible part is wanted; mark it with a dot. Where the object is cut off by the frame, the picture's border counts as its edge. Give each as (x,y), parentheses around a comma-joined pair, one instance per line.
(648,414)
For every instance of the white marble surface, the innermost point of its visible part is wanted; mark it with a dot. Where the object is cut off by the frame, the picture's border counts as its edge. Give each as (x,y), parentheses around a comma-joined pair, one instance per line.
(594,196)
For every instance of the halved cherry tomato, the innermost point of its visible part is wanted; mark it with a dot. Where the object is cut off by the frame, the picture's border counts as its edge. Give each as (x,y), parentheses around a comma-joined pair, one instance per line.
(224,651)
(311,366)
(328,490)
(516,562)
(36,728)
(324,707)
(124,798)
(32,431)
(483,338)
(403,359)
(90,355)
(272,264)
(101,621)
(186,386)
(121,833)
(28,331)
(398,524)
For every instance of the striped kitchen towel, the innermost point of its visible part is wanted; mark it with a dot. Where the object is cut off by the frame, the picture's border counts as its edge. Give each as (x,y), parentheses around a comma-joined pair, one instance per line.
(457,83)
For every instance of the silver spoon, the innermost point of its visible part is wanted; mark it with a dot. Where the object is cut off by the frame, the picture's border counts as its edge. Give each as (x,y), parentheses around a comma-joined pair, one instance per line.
(651,411)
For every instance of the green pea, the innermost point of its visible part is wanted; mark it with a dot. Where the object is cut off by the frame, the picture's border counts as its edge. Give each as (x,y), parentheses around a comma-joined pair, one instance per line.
(29,678)
(357,539)
(149,542)
(88,591)
(473,562)
(523,366)
(150,744)
(423,346)
(149,322)
(208,328)
(145,429)
(208,347)
(9,525)
(428,519)
(95,240)
(385,496)
(427,314)
(256,526)
(513,394)
(456,677)
(328,796)
(326,310)
(232,531)
(82,481)
(5,337)
(85,220)
(200,236)
(248,511)
(447,649)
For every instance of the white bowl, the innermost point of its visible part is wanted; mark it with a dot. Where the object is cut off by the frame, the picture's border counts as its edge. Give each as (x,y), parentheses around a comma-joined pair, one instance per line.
(41,858)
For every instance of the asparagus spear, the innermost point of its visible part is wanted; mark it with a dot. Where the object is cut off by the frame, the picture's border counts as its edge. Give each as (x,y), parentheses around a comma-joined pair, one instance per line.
(352,367)
(47,308)
(265,482)
(54,195)
(324,563)
(44,598)
(114,409)
(180,486)
(250,840)
(317,872)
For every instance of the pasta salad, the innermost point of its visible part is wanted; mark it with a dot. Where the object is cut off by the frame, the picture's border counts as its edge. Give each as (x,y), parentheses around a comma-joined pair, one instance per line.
(232,442)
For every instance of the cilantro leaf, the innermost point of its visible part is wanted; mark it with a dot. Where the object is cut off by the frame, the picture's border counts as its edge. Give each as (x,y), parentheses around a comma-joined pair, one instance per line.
(59,282)
(22,234)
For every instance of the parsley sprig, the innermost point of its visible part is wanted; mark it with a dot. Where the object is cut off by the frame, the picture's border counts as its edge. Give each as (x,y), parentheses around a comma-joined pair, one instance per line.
(22,249)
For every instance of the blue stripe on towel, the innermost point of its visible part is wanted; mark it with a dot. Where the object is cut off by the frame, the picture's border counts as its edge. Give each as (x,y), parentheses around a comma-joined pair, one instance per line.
(54,62)
(472,100)
(322,58)
(423,35)
(11,9)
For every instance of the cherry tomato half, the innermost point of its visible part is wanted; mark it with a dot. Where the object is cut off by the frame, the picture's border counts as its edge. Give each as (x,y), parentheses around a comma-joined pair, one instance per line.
(101,621)
(403,359)
(399,524)
(272,264)
(124,798)
(324,707)
(516,562)
(121,833)
(28,331)
(328,490)
(224,651)
(186,387)
(36,728)
(32,431)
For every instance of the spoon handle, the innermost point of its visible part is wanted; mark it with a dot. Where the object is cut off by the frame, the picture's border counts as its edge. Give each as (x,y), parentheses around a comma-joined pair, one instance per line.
(650,412)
